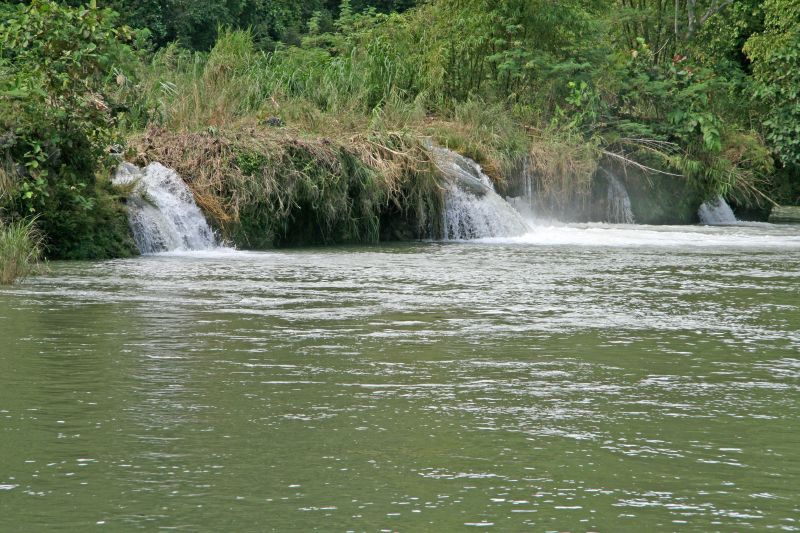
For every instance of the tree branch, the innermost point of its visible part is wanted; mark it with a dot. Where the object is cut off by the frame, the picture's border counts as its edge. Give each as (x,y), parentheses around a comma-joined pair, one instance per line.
(714,9)
(636,164)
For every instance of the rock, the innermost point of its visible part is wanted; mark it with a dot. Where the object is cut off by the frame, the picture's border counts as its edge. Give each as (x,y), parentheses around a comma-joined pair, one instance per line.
(459,170)
(785,214)
(127,173)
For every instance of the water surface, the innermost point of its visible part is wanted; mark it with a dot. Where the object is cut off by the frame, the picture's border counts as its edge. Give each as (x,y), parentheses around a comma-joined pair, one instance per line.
(579,378)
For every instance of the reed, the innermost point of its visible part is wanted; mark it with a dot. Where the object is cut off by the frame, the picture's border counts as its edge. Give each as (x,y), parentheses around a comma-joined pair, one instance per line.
(21,249)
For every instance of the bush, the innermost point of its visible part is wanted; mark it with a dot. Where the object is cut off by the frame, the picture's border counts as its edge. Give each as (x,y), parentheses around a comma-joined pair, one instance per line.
(58,122)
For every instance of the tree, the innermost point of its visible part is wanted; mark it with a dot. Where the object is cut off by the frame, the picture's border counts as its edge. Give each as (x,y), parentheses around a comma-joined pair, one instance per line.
(195,22)
(775,56)
(57,121)
(667,26)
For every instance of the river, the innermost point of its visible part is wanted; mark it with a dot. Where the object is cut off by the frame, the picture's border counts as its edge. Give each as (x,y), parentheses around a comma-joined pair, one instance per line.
(580,378)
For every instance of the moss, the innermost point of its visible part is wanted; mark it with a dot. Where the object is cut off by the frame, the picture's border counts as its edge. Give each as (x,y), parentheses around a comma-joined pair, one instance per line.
(661,199)
(109,235)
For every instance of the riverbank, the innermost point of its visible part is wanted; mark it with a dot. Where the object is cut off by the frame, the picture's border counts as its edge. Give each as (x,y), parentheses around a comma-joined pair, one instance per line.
(324,139)
(264,186)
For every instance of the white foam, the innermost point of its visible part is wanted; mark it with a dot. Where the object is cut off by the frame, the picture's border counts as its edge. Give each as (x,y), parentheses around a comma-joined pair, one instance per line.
(469,216)
(472,207)
(611,235)
(211,253)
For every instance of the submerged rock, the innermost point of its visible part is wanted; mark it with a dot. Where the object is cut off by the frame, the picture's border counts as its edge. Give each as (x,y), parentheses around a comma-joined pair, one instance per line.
(785,214)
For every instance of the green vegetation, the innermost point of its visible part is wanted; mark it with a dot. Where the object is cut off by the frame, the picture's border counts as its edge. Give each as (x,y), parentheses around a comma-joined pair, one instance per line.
(264,187)
(57,126)
(21,249)
(775,56)
(306,121)
(195,23)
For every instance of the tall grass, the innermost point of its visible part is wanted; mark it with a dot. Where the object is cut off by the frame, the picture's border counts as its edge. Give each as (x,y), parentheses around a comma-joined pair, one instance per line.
(6,184)
(353,146)
(21,250)
(335,96)
(187,91)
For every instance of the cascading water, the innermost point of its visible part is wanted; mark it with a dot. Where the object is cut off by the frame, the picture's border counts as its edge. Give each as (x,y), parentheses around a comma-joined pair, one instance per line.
(162,212)
(473,210)
(468,216)
(716,212)
(619,203)
(525,204)
(606,201)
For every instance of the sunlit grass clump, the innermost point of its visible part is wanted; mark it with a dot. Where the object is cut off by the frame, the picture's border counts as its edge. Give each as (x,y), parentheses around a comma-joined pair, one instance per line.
(21,250)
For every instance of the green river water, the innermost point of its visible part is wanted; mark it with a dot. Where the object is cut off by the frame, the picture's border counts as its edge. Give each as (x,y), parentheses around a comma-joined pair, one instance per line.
(588,378)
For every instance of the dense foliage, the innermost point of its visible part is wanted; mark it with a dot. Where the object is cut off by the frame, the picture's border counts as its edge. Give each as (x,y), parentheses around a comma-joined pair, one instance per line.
(57,125)
(775,56)
(695,96)
(659,88)
(195,22)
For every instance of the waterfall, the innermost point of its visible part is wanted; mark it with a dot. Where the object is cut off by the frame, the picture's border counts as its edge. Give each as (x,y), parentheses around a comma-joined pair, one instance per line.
(162,212)
(468,216)
(716,212)
(473,210)
(525,203)
(619,203)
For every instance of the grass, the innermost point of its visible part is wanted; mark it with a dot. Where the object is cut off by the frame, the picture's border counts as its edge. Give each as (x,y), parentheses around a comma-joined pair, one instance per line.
(350,165)
(21,250)
(187,91)
(21,244)
(265,187)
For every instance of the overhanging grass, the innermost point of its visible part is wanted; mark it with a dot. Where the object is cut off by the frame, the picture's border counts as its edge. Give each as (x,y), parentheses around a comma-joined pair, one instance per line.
(352,150)
(266,187)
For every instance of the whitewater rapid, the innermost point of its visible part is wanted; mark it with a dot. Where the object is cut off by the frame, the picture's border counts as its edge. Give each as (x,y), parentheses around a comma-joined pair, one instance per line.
(753,235)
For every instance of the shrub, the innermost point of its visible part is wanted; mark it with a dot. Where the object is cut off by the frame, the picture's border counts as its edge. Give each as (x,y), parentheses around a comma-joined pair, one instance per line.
(57,123)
